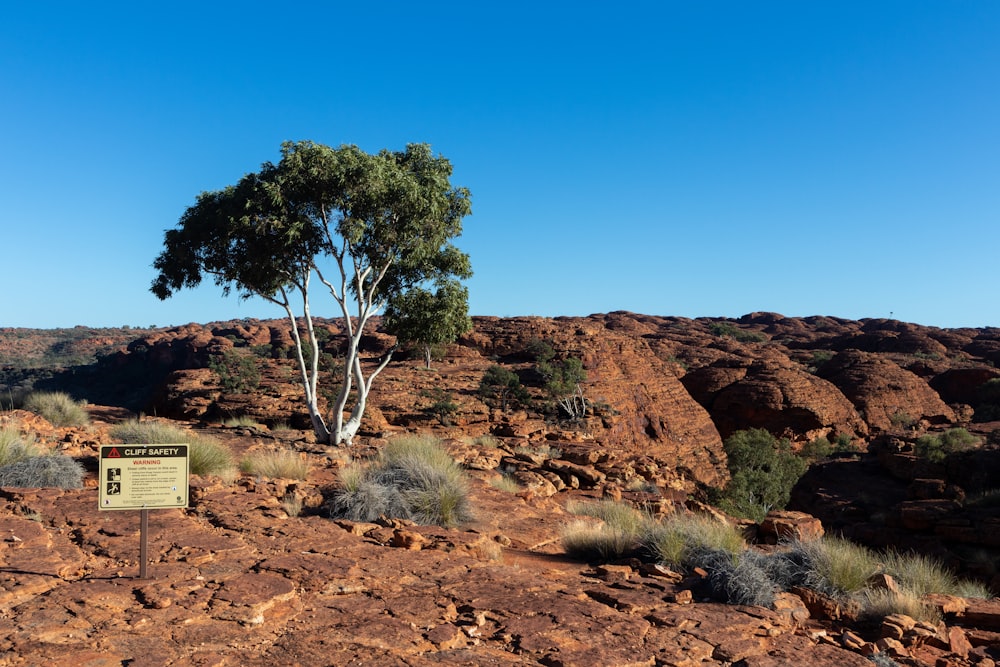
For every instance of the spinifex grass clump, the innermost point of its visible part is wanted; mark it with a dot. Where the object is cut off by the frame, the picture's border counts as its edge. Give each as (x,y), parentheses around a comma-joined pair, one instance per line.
(205,455)
(57,407)
(281,464)
(43,471)
(15,447)
(617,534)
(412,478)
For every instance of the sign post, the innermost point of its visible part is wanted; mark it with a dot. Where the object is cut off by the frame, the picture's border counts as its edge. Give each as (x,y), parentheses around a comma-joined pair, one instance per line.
(143,477)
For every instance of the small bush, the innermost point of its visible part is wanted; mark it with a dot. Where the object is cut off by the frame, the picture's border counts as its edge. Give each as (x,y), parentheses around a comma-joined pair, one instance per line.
(412,478)
(14,447)
(878,603)
(237,372)
(57,407)
(292,504)
(936,448)
(43,471)
(763,471)
(282,464)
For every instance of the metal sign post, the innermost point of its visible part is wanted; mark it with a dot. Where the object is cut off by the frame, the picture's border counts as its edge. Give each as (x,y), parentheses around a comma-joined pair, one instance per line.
(143,477)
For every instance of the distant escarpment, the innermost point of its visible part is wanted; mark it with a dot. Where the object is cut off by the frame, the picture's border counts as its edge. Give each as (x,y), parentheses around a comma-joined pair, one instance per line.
(660,390)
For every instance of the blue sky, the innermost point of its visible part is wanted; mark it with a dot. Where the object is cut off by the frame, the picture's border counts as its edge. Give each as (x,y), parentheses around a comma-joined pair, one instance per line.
(696,159)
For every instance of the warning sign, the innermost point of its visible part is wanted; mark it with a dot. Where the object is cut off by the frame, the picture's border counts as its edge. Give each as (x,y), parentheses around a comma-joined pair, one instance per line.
(143,477)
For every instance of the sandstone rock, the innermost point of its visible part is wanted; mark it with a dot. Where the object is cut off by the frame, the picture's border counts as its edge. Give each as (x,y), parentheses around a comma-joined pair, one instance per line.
(882,392)
(781,525)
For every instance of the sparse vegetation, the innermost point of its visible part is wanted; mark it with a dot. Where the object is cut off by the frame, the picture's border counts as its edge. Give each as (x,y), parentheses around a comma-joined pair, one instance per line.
(206,456)
(443,405)
(413,478)
(42,472)
(730,330)
(15,447)
(59,408)
(936,448)
(237,371)
(241,421)
(501,387)
(281,464)
(763,471)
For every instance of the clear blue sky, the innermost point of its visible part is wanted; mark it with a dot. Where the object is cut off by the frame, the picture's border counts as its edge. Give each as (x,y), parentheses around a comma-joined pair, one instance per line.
(687,158)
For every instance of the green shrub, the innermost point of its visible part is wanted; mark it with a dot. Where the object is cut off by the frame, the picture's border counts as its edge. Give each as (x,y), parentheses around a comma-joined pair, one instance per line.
(42,472)
(501,387)
(413,478)
(833,566)
(816,449)
(282,464)
(15,447)
(762,470)
(730,330)
(936,448)
(57,407)
(237,372)
(443,405)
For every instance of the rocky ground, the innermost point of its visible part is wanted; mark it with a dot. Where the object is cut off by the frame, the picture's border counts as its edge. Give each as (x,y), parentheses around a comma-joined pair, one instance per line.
(238,580)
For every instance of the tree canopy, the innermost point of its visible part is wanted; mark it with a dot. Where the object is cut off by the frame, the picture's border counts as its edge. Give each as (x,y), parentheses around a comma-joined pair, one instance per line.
(369,227)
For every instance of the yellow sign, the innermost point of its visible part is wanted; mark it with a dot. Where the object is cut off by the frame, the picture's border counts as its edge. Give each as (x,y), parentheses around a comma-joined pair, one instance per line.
(136,477)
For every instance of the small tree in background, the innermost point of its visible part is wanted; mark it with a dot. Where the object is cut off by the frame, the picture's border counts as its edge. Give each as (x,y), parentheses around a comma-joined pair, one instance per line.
(763,471)
(502,385)
(561,379)
(427,320)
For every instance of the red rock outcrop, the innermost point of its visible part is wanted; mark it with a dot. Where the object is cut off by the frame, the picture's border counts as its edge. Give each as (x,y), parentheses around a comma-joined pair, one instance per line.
(884,394)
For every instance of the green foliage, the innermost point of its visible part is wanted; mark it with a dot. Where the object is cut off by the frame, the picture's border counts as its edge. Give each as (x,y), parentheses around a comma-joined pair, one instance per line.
(562,384)
(426,319)
(15,447)
(369,227)
(412,478)
(818,448)
(237,372)
(987,401)
(902,420)
(501,387)
(730,330)
(57,407)
(43,472)
(936,448)
(819,357)
(443,404)
(762,470)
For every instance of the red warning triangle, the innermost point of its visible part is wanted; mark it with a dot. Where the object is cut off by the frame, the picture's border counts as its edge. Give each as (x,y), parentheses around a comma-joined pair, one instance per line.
(113,454)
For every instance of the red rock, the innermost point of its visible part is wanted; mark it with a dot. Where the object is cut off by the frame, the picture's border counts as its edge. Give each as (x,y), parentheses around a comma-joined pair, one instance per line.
(781,525)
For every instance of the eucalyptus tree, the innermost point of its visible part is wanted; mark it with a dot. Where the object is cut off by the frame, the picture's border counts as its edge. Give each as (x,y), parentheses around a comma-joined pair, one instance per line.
(368,227)
(427,319)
